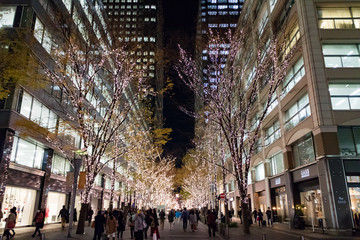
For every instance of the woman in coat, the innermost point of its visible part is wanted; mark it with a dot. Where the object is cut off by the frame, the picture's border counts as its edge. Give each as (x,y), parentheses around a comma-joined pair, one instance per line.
(111,226)
(39,222)
(154,225)
(192,220)
(121,224)
(99,225)
(10,224)
(171,216)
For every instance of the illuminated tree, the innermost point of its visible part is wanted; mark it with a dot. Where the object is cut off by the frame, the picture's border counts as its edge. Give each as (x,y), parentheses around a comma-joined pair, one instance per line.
(231,95)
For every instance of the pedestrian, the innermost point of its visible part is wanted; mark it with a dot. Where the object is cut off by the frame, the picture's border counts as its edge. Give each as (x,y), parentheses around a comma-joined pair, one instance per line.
(64,215)
(121,225)
(162,219)
(15,212)
(111,226)
(10,222)
(230,215)
(268,215)
(192,220)
(240,216)
(171,216)
(147,221)
(178,215)
(185,218)
(154,224)
(255,215)
(197,216)
(260,217)
(139,225)
(99,225)
(39,222)
(131,223)
(90,213)
(211,222)
(75,216)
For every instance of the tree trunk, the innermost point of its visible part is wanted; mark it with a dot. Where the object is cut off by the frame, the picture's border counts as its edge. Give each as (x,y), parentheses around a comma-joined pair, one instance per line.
(246,215)
(82,218)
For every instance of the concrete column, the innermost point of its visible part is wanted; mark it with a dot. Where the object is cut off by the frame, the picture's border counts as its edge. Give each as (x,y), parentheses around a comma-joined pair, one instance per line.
(47,162)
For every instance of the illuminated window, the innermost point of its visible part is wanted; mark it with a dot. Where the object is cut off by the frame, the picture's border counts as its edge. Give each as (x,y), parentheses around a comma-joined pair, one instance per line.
(298,112)
(341,55)
(345,96)
(291,40)
(277,163)
(296,72)
(339,18)
(272,133)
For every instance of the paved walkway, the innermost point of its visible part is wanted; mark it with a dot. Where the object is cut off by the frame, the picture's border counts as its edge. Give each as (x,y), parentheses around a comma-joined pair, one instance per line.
(277,232)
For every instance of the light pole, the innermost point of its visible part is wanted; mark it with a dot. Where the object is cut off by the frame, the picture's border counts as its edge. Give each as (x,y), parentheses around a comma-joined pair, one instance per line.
(77,166)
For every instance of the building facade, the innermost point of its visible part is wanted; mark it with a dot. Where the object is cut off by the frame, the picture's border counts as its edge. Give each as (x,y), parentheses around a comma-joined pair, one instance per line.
(308,162)
(36,173)
(138,24)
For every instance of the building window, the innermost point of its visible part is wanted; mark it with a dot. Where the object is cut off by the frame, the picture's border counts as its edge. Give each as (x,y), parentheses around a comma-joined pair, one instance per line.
(263,22)
(293,76)
(272,105)
(259,172)
(27,153)
(298,112)
(291,40)
(60,165)
(349,141)
(272,133)
(345,96)
(7,16)
(277,163)
(341,55)
(304,151)
(34,110)
(339,18)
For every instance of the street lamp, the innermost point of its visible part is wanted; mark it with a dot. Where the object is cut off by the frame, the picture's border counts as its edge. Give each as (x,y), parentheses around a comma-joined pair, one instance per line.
(77,165)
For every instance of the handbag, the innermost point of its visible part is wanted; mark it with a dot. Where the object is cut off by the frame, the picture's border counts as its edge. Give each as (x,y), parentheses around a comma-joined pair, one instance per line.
(11,225)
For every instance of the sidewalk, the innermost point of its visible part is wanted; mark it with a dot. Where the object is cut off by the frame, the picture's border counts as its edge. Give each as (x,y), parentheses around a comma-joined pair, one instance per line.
(279,229)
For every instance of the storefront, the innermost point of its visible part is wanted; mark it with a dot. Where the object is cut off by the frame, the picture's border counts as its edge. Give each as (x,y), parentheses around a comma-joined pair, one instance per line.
(279,199)
(24,200)
(55,202)
(353,184)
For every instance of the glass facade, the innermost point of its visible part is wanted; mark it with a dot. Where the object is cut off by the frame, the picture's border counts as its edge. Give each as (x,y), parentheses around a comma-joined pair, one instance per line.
(277,163)
(27,153)
(349,140)
(293,76)
(311,206)
(259,172)
(272,133)
(60,165)
(304,152)
(55,202)
(280,210)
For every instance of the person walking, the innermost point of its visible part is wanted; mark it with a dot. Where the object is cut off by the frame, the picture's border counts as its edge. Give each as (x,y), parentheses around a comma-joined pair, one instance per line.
(121,225)
(39,222)
(99,225)
(230,215)
(211,222)
(90,213)
(162,219)
(139,225)
(185,218)
(75,216)
(240,215)
(10,222)
(154,224)
(147,221)
(192,220)
(64,215)
(255,215)
(171,216)
(197,212)
(260,217)
(178,215)
(131,223)
(111,226)
(268,215)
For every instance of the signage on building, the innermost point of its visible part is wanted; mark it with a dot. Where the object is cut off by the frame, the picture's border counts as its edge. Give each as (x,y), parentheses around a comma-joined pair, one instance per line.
(82,180)
(277,181)
(222,195)
(305,173)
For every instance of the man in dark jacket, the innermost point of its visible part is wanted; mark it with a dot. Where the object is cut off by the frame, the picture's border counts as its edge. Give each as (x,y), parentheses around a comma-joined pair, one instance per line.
(211,222)
(268,215)
(185,218)
(162,219)
(100,221)
(255,215)
(90,213)
(64,215)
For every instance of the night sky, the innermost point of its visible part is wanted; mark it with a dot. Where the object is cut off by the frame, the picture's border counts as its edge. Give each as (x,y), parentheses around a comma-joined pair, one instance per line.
(179,28)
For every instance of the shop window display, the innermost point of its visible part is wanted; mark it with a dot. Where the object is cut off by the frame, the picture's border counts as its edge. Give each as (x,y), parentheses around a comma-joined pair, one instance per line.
(311,207)
(281,212)
(7,15)
(354,194)
(54,204)
(24,201)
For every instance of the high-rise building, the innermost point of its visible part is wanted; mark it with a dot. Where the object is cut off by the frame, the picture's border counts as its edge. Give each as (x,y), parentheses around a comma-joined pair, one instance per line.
(138,25)
(307,166)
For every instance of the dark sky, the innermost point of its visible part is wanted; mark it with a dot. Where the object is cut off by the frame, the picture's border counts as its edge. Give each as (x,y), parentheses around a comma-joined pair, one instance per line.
(179,28)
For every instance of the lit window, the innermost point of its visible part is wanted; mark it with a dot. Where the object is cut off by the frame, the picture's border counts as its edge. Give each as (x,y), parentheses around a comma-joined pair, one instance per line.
(298,112)
(263,22)
(339,18)
(272,133)
(304,151)
(345,96)
(341,55)
(291,40)
(277,163)
(259,172)
(293,76)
